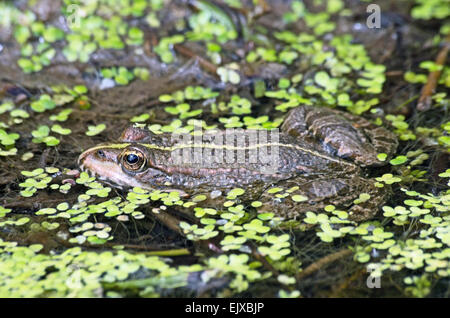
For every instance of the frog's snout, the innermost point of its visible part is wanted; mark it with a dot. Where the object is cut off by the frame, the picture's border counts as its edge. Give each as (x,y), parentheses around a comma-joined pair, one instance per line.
(97,159)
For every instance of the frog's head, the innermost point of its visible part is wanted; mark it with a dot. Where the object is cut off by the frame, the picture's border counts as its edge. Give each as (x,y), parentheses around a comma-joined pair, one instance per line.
(124,163)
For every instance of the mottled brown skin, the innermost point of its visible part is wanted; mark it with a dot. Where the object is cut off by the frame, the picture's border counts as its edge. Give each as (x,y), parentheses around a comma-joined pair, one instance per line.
(322,152)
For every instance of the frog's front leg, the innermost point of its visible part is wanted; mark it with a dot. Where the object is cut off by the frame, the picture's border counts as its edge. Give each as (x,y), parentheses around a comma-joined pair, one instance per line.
(341,133)
(303,196)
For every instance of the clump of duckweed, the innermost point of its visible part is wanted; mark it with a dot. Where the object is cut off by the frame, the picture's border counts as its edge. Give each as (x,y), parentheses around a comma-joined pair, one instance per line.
(95,130)
(78,273)
(123,76)
(101,26)
(36,179)
(58,96)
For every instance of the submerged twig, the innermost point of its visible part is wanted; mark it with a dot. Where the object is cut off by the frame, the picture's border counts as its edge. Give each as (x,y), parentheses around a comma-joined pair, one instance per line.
(161,281)
(394,73)
(343,286)
(263,261)
(43,159)
(207,65)
(163,253)
(406,102)
(169,221)
(424,102)
(314,267)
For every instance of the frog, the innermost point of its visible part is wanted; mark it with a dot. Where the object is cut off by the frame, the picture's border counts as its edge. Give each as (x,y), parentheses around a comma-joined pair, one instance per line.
(323,158)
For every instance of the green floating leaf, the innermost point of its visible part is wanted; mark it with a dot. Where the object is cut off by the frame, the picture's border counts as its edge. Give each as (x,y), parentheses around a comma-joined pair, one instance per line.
(8,139)
(52,34)
(299,198)
(235,192)
(41,132)
(140,118)
(414,203)
(95,130)
(228,75)
(142,73)
(80,89)
(323,79)
(257,226)
(398,160)
(44,103)
(60,130)
(256,204)
(388,178)
(382,156)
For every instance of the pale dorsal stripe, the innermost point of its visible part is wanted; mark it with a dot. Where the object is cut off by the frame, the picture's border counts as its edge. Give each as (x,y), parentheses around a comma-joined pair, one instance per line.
(213,146)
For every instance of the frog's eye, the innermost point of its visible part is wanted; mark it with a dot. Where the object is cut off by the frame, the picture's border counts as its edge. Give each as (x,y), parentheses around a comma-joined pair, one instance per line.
(133,159)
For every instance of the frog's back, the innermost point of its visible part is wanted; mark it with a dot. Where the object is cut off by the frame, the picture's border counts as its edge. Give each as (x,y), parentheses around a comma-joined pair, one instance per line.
(249,157)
